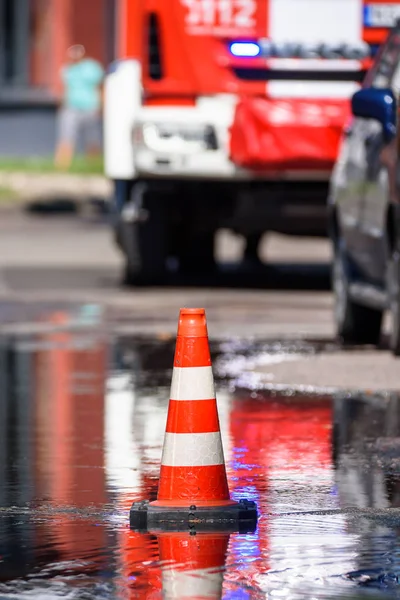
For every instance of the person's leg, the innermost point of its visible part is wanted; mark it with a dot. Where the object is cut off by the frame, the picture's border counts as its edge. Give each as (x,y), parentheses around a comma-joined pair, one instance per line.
(92,134)
(64,155)
(67,133)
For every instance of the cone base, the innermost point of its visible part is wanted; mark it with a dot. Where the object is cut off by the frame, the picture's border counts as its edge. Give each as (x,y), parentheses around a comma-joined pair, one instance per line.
(237,516)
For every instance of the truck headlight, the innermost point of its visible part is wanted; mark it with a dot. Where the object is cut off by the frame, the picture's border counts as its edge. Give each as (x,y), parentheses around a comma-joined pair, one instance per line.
(171,137)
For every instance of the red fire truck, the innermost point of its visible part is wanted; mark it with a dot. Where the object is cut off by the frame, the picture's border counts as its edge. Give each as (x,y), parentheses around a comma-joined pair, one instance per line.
(228,114)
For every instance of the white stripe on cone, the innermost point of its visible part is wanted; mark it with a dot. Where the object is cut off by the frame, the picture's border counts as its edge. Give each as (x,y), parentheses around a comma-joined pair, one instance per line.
(192,383)
(192,450)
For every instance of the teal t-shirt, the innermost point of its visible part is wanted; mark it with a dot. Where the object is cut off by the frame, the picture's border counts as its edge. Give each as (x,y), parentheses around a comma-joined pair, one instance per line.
(81,83)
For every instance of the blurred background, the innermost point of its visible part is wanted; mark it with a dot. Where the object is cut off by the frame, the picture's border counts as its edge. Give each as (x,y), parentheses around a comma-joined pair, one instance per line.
(34,37)
(230,162)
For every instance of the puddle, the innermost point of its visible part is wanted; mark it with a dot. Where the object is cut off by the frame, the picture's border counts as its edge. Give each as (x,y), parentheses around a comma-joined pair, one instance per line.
(82,420)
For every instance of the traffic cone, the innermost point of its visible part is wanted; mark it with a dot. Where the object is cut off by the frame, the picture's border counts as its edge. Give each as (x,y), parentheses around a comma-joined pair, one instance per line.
(193,488)
(192,565)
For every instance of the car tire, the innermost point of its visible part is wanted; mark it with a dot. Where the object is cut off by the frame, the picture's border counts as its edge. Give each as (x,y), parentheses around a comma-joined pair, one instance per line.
(394,301)
(355,323)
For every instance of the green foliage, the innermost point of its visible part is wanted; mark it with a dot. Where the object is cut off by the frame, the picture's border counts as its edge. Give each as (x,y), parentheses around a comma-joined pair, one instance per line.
(80,166)
(7,195)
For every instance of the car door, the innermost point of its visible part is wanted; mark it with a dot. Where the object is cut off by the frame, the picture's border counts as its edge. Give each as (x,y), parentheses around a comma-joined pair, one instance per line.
(348,182)
(378,170)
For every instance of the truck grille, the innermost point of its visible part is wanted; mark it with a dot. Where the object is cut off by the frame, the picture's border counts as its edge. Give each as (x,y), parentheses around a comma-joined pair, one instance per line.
(260,74)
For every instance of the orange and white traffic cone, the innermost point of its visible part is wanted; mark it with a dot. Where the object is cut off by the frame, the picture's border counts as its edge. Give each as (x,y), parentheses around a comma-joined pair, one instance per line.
(193,488)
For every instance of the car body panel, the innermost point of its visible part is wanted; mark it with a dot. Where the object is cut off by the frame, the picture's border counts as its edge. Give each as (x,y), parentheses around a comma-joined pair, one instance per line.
(364,181)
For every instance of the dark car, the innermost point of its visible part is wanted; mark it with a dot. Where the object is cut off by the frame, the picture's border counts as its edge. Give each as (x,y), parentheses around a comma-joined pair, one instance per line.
(364,207)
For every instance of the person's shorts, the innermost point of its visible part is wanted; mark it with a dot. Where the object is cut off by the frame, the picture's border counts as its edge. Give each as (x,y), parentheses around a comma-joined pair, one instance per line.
(76,124)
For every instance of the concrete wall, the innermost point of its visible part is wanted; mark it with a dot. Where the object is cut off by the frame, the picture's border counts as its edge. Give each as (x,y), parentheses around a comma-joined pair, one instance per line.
(28,126)
(27,132)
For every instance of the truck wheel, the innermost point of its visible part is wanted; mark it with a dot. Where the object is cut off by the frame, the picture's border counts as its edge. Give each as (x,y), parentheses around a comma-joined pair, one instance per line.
(394,301)
(196,250)
(121,196)
(355,323)
(250,255)
(144,243)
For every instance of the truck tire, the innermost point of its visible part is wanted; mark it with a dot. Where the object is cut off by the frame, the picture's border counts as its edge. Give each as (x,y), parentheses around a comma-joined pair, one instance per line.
(121,196)
(196,249)
(355,323)
(251,251)
(145,245)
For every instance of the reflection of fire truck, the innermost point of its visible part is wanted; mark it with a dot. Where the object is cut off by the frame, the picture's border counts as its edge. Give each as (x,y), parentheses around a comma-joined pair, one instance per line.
(51,453)
(70,372)
(277,444)
(228,113)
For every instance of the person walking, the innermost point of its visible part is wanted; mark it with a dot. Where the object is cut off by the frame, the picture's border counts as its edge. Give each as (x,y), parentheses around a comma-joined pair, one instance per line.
(79,114)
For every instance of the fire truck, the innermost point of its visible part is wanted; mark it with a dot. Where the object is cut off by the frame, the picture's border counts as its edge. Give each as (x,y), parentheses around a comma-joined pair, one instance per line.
(228,114)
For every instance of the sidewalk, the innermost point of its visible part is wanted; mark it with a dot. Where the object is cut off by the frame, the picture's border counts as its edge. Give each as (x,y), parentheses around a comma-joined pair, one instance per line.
(30,187)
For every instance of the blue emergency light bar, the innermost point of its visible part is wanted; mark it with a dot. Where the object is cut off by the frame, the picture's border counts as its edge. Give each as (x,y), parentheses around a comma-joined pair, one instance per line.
(269,49)
(245,49)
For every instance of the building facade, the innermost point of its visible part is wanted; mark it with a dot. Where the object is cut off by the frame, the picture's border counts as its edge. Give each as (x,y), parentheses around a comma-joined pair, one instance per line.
(34,37)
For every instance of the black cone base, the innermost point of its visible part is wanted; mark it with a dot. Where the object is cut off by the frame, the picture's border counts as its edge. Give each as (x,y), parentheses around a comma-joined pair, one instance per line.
(239,517)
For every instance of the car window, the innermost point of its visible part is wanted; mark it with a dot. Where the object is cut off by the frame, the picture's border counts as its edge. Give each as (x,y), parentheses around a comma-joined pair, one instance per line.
(385,71)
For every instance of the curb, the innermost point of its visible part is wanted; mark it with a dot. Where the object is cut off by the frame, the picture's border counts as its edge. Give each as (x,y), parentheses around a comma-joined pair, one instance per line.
(54,186)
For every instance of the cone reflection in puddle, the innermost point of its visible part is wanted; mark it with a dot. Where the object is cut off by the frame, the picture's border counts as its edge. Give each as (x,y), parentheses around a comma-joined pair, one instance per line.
(190,566)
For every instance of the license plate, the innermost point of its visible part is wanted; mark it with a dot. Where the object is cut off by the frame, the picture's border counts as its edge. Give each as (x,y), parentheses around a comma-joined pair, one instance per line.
(381,15)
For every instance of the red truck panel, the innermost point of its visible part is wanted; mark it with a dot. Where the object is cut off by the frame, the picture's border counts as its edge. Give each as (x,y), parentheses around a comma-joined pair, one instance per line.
(184,48)
(287,134)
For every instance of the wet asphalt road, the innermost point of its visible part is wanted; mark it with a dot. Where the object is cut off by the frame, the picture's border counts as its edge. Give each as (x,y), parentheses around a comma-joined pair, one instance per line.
(85,369)
(81,432)
(71,260)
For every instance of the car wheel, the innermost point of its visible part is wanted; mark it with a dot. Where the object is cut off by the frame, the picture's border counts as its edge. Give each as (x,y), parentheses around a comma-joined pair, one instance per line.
(394,301)
(355,323)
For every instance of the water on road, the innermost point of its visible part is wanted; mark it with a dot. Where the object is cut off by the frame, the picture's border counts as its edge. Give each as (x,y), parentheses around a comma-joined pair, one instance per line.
(82,418)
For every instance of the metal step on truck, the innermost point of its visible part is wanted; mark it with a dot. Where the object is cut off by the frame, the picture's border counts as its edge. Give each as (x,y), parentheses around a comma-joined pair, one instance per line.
(228,114)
